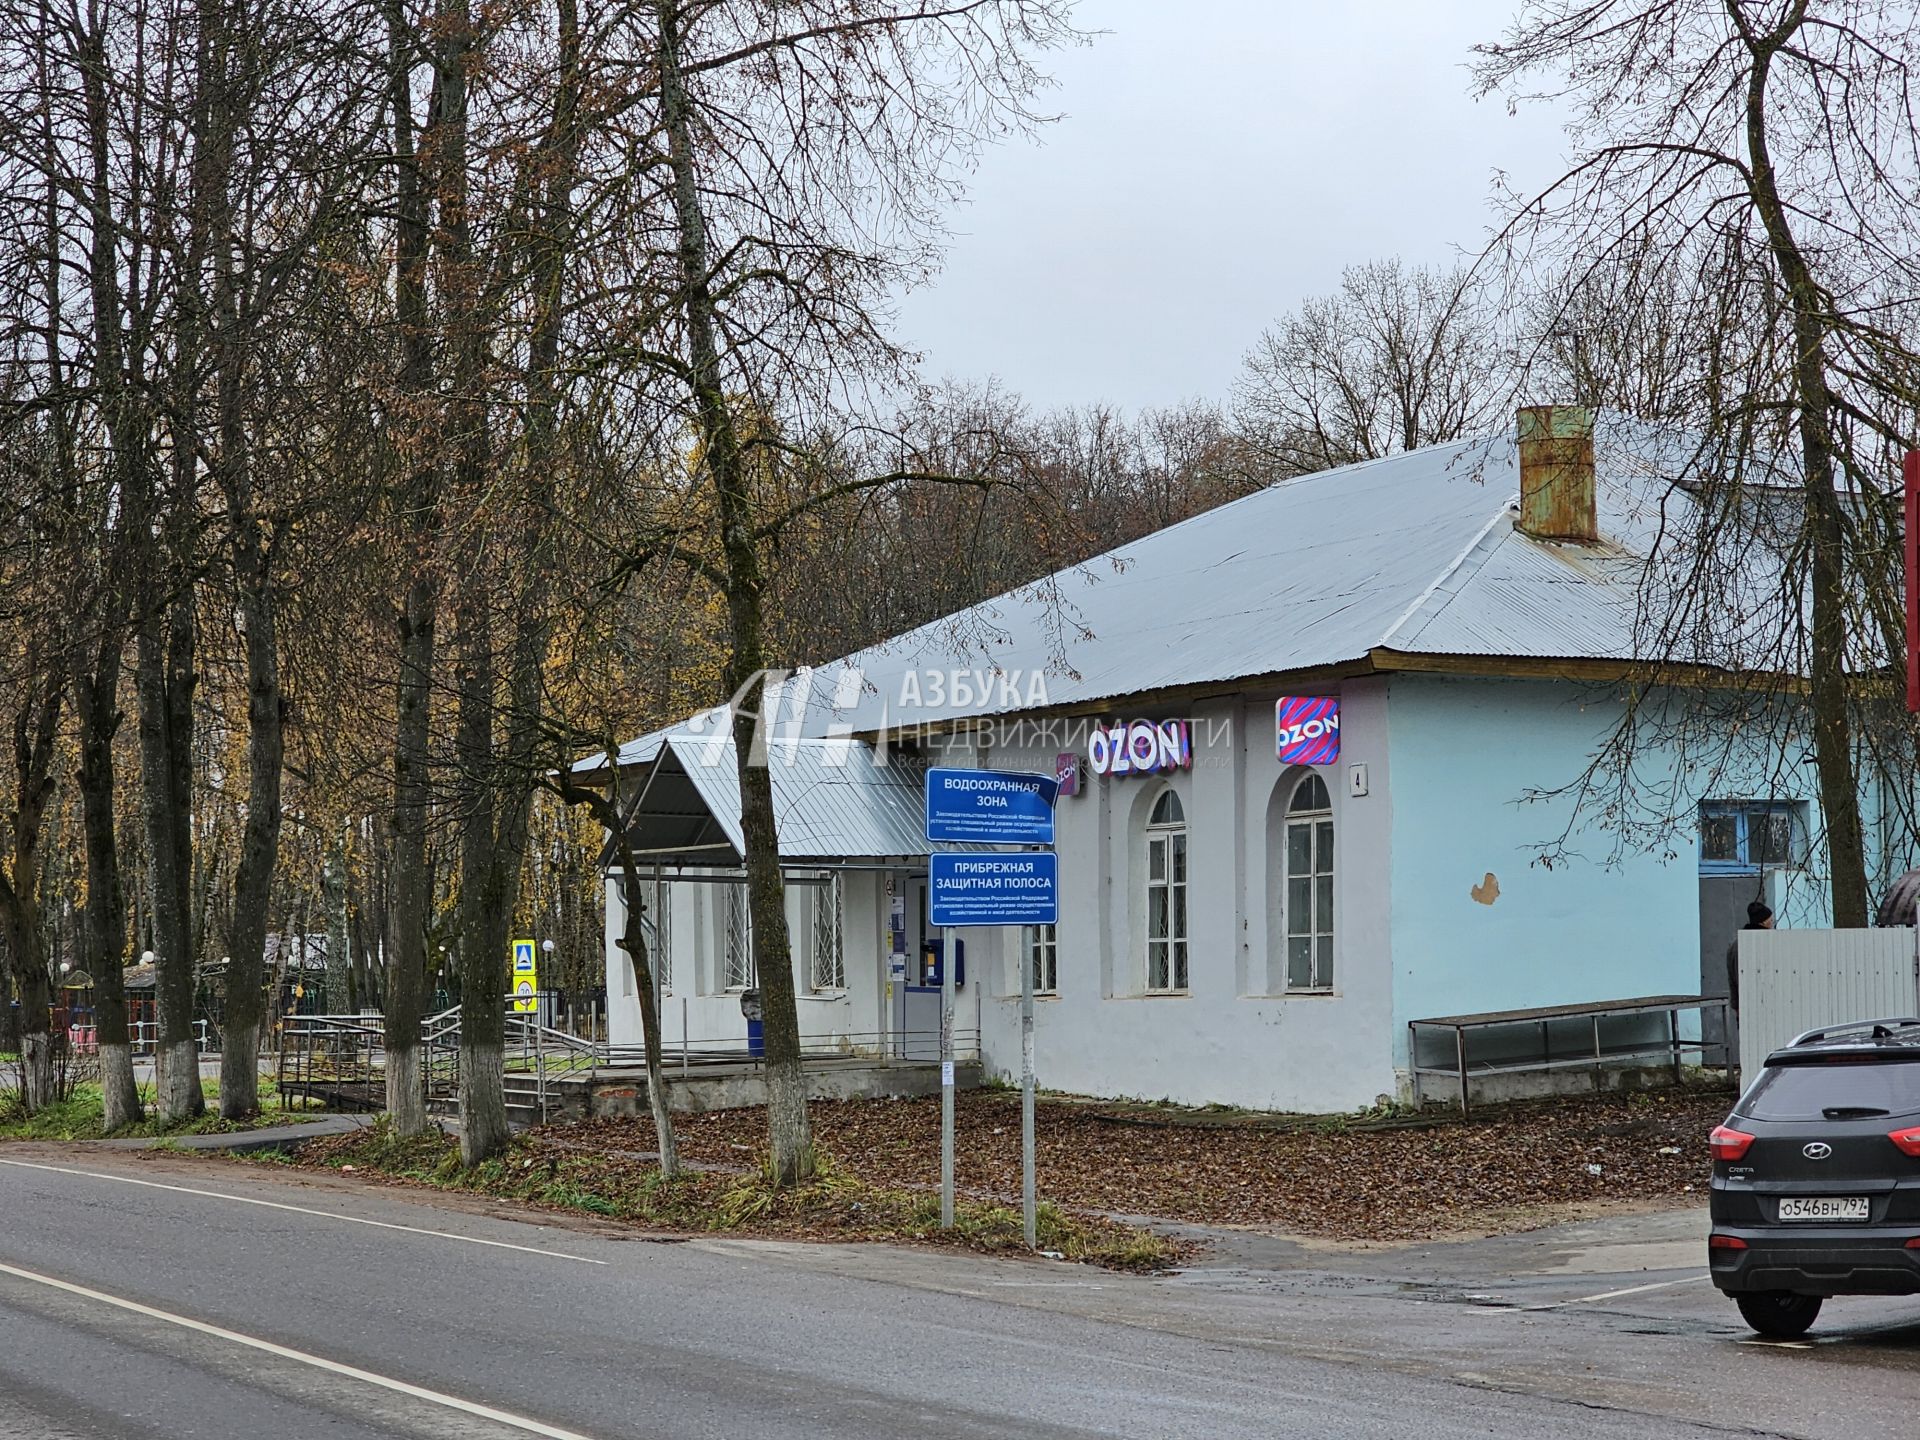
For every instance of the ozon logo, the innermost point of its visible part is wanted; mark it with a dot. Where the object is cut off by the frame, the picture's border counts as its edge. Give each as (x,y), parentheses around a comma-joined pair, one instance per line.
(1140,747)
(1307,730)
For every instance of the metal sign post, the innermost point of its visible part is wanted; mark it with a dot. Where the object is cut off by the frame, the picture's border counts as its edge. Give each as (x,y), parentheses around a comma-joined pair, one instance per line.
(990,807)
(946,1078)
(1029,1209)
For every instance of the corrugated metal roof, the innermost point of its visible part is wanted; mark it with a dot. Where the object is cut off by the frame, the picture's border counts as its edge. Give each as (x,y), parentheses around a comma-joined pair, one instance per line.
(832,800)
(1414,552)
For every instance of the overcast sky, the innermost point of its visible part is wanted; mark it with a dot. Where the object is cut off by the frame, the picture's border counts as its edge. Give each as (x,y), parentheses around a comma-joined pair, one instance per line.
(1217,161)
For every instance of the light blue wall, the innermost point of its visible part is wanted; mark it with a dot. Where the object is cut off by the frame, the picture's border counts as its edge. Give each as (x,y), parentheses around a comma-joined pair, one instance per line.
(1604,922)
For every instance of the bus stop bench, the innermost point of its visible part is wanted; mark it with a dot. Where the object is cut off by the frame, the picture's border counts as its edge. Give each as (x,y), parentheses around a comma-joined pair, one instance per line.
(1448,1035)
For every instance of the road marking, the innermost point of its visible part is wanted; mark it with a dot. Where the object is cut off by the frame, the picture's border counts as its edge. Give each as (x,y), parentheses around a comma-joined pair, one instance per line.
(1048,1284)
(304,1210)
(319,1362)
(1621,1294)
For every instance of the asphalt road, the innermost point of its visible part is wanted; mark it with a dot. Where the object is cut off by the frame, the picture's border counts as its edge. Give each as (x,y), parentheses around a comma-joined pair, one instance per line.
(146,1309)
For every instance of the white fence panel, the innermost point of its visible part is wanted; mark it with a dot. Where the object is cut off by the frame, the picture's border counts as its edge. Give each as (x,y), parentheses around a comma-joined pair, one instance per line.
(1795,980)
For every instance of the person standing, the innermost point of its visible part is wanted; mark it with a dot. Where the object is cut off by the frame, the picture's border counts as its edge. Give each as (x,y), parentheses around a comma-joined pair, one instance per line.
(1759,917)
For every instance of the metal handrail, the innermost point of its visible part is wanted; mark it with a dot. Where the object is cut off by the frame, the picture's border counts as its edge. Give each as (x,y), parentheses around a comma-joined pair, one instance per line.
(313,1048)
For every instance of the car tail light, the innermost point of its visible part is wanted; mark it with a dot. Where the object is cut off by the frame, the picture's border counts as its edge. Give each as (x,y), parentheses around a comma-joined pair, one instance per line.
(1908,1140)
(1727,1242)
(1732,1144)
(1914,1244)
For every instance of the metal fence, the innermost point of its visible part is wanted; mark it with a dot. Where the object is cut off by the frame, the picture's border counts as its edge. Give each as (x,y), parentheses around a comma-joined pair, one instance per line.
(340,1060)
(1795,980)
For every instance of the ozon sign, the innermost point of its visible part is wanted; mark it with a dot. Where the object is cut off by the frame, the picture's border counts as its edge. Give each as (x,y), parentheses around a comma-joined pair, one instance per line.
(1140,747)
(1307,729)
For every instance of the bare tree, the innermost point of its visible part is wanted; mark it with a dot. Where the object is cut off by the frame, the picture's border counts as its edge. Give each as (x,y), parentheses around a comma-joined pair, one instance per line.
(805,152)
(1398,358)
(1770,151)
(611,810)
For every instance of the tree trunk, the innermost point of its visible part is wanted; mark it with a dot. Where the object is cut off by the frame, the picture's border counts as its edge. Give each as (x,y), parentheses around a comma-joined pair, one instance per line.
(410,901)
(35,732)
(789,1131)
(333,878)
(260,843)
(165,682)
(634,942)
(1825,528)
(497,756)
(35,989)
(412,881)
(104,921)
(610,810)
(483,917)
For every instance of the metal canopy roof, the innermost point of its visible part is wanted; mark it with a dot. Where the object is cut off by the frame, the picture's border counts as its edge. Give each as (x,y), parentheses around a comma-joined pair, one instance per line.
(832,801)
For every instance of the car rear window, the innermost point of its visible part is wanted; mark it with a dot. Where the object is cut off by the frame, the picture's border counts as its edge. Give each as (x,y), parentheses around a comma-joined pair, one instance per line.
(1807,1092)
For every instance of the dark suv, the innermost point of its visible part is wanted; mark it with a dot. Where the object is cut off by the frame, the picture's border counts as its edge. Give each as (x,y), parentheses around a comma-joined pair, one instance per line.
(1816,1176)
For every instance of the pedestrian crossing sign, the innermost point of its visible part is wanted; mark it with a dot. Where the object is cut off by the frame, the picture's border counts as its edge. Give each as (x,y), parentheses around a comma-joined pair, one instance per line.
(525,978)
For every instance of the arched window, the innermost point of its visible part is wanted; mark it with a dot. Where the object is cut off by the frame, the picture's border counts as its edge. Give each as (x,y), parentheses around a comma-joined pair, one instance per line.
(1310,886)
(1167,894)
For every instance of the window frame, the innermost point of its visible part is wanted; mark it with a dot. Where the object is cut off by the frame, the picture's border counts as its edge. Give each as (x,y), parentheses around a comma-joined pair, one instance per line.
(1172,838)
(1742,812)
(1322,833)
(660,939)
(1041,954)
(826,898)
(736,922)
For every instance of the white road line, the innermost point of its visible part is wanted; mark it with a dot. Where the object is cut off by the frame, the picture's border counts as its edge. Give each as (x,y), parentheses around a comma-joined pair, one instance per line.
(319,1362)
(303,1210)
(1621,1294)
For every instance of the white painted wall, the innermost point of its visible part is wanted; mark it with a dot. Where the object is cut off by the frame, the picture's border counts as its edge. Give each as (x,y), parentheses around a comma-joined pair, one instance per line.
(697,1006)
(1230,1039)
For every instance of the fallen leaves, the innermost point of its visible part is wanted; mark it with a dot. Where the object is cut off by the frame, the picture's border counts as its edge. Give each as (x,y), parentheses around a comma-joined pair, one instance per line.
(1396,1182)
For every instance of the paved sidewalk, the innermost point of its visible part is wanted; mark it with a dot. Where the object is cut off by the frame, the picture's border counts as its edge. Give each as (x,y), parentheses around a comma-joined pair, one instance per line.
(240,1142)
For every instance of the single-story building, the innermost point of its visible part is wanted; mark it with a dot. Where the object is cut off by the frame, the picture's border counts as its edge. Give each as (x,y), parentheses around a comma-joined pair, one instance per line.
(1320,748)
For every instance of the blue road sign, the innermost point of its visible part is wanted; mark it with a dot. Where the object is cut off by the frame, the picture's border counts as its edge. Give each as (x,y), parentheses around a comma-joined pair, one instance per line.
(990,807)
(986,889)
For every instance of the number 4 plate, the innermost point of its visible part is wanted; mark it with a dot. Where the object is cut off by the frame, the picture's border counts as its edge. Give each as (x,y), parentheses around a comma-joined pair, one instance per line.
(1823,1207)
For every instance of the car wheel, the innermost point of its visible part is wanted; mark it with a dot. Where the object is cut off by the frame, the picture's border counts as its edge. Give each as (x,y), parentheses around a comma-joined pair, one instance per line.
(1779,1314)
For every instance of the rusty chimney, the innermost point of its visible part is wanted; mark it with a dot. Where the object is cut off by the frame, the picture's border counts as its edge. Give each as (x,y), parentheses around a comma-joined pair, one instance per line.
(1556,473)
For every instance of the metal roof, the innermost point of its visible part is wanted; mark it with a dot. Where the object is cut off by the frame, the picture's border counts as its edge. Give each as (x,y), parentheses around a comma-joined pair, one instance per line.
(1416,553)
(834,800)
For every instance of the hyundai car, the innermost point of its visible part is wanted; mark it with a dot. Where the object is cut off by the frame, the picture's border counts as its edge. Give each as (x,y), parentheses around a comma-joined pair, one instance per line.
(1816,1176)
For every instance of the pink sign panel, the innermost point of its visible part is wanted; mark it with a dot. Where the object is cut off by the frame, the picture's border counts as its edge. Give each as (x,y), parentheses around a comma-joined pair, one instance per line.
(1066,769)
(1307,729)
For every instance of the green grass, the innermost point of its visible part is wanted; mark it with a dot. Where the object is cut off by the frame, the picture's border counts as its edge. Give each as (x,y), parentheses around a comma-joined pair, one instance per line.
(83,1116)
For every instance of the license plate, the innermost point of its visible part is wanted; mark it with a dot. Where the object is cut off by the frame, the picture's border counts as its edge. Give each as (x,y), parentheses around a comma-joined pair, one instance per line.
(1823,1207)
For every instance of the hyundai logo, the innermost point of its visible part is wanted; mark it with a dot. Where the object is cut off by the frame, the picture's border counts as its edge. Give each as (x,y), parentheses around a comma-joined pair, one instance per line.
(1818,1150)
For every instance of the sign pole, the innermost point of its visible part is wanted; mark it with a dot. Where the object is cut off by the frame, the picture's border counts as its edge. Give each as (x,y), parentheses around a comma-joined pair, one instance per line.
(946,1077)
(988,807)
(1029,1214)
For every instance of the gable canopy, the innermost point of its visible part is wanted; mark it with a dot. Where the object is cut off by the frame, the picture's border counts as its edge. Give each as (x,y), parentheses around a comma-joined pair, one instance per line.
(835,801)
